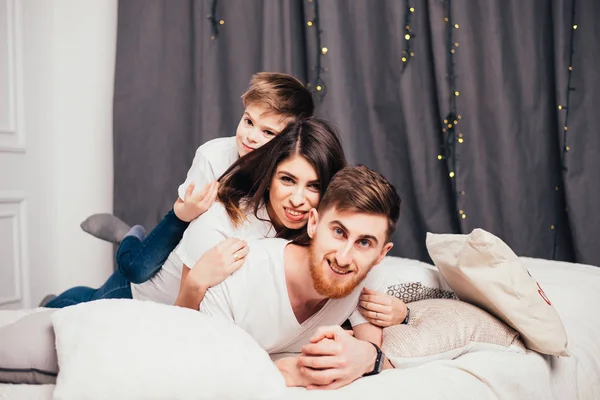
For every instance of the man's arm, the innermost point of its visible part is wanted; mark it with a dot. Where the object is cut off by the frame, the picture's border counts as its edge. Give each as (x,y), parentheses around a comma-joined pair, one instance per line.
(334,358)
(368,332)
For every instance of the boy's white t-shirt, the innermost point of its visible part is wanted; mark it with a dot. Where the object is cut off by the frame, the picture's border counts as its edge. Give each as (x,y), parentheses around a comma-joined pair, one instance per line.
(211,160)
(256,299)
(205,232)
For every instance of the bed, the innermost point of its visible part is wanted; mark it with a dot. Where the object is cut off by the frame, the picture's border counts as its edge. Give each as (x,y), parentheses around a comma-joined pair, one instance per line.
(575,293)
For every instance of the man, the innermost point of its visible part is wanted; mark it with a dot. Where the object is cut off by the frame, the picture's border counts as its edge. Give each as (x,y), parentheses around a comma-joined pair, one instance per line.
(293,297)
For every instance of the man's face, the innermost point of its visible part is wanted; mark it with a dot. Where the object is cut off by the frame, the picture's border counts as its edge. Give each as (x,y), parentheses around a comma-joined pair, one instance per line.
(345,246)
(257,126)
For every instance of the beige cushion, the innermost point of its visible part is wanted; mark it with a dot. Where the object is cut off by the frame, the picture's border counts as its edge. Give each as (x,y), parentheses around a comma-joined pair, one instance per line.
(27,351)
(484,271)
(442,329)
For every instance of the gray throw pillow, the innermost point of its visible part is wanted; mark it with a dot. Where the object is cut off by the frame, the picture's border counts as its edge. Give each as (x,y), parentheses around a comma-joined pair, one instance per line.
(28,350)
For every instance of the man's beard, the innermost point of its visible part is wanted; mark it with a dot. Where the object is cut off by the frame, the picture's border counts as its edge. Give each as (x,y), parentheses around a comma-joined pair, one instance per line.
(332,289)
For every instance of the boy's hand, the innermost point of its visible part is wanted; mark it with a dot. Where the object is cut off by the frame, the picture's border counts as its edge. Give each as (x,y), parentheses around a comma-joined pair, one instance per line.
(194,205)
(218,263)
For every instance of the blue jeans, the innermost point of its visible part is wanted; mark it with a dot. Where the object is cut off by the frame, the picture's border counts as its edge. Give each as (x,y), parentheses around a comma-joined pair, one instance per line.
(116,287)
(138,260)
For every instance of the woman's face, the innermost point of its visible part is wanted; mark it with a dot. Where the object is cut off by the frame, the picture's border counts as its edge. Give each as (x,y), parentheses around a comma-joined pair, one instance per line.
(293,191)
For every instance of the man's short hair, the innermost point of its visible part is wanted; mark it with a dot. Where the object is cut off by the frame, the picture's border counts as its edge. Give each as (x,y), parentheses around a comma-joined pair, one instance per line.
(363,190)
(281,93)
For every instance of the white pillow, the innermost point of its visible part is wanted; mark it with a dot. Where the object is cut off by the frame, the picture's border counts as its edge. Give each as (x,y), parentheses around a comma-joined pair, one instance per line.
(484,271)
(409,280)
(129,349)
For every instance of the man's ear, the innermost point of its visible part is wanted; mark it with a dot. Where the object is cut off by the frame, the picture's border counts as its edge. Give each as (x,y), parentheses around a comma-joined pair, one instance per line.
(313,220)
(386,248)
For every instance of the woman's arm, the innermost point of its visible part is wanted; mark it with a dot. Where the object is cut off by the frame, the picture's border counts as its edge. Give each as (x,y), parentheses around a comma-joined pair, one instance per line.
(213,268)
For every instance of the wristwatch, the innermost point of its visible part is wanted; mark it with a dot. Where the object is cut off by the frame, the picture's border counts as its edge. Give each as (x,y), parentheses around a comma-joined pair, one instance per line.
(407,318)
(378,361)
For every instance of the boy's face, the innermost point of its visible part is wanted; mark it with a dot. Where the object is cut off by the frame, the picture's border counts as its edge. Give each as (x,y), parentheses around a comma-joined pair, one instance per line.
(257,126)
(345,246)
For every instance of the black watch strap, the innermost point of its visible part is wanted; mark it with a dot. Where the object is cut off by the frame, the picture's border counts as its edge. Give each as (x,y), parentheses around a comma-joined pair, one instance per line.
(378,362)
(407,318)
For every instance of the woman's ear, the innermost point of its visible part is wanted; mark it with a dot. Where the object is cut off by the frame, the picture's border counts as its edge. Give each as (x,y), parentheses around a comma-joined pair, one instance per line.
(313,220)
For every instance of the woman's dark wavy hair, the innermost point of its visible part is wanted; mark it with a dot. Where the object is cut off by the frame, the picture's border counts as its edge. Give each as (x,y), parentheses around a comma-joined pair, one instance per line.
(243,187)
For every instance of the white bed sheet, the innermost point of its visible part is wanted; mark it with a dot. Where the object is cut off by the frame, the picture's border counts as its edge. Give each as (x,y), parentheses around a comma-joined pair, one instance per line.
(574,290)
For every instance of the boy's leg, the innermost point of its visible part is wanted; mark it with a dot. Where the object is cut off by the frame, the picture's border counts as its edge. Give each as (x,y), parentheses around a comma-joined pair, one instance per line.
(138,260)
(116,287)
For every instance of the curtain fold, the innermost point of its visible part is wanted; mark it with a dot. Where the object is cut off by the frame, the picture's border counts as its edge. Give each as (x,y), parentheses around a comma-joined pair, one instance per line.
(499,68)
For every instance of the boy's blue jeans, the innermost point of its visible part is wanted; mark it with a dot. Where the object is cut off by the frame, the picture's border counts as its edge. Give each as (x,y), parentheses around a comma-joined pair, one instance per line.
(137,261)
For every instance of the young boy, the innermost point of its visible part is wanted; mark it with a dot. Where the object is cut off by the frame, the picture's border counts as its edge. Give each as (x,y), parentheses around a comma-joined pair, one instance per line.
(271,102)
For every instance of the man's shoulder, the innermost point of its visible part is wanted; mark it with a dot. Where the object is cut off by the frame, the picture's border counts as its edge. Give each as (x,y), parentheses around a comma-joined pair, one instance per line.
(266,253)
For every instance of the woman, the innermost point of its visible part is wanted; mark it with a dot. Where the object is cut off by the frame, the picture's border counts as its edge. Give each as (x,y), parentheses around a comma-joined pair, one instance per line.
(266,193)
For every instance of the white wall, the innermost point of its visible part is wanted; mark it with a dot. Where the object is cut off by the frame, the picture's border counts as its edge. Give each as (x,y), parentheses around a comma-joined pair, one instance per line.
(68,58)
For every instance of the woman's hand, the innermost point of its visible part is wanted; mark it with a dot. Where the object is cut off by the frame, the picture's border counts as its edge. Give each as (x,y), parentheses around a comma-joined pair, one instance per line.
(218,263)
(381,309)
(195,204)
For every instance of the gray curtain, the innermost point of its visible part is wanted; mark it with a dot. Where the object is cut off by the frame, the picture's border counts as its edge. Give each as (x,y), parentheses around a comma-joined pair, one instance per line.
(512,175)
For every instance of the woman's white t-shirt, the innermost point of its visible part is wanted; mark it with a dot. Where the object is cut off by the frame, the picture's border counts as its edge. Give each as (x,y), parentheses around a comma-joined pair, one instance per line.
(202,234)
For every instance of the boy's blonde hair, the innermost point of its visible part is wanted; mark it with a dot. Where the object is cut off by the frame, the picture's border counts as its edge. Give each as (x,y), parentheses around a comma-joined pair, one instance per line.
(281,93)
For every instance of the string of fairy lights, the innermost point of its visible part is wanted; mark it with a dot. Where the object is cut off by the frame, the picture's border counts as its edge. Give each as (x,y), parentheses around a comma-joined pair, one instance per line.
(565,108)
(318,85)
(407,53)
(452,136)
(214,22)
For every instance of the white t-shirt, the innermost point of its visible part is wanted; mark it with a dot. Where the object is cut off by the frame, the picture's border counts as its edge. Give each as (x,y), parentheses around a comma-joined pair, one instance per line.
(256,299)
(202,234)
(211,160)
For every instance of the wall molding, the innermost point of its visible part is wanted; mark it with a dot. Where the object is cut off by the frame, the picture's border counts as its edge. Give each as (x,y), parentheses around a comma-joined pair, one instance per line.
(13,208)
(12,132)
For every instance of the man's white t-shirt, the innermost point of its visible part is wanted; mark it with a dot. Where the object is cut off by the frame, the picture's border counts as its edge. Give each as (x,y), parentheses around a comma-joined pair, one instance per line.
(211,160)
(256,299)
(202,234)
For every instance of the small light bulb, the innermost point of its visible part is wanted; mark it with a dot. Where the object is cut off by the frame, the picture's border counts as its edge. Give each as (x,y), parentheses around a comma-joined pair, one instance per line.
(457,93)
(221,22)
(212,37)
(551,226)
(460,135)
(412,9)
(574,26)
(412,53)
(456,26)
(446,19)
(456,44)
(451,174)
(560,107)
(455,122)
(462,193)
(440,157)
(444,130)
(464,216)
(570,68)
(309,23)
(556,188)
(319,87)
(324,50)
(567,148)
(445,121)
(407,36)
(460,212)
(566,128)
(459,116)
(460,140)
(403,59)
(449,126)
(452,51)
